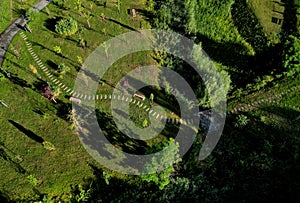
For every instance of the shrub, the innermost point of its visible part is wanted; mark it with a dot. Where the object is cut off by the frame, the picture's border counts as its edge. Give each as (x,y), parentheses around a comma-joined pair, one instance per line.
(1,76)
(48,145)
(241,121)
(62,68)
(67,26)
(32,180)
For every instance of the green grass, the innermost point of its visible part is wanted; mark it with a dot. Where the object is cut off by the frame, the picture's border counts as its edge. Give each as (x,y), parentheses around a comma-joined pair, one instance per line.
(263,9)
(19,7)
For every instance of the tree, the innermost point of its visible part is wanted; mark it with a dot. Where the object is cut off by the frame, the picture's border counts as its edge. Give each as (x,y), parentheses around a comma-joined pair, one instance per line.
(145,123)
(106,47)
(88,16)
(119,2)
(67,26)
(161,164)
(241,121)
(291,56)
(78,6)
(57,50)
(151,98)
(80,60)
(11,11)
(62,68)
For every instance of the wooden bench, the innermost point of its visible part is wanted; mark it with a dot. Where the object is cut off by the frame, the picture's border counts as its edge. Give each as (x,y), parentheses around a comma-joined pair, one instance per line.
(139,96)
(75,100)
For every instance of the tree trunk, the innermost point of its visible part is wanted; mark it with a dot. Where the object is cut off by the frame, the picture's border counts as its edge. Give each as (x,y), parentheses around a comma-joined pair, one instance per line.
(11,11)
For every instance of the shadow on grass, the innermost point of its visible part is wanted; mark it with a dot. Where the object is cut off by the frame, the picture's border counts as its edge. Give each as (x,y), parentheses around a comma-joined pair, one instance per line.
(116,137)
(123,25)
(28,133)
(17,167)
(289,25)
(18,81)
(51,22)
(4,198)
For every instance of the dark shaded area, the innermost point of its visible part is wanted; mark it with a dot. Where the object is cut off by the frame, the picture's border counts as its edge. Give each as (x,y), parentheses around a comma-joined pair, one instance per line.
(51,22)
(289,25)
(258,162)
(123,25)
(18,81)
(51,64)
(6,157)
(63,110)
(28,133)
(116,137)
(4,198)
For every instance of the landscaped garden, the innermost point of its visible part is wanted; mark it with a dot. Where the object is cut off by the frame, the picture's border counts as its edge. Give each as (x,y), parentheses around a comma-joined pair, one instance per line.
(41,156)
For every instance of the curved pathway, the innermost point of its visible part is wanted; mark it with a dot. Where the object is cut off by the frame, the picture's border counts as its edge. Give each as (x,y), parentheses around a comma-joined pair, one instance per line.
(71,92)
(7,36)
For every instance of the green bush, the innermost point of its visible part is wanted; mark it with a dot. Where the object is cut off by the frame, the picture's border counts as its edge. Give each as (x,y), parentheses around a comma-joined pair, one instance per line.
(1,76)
(67,26)
(62,68)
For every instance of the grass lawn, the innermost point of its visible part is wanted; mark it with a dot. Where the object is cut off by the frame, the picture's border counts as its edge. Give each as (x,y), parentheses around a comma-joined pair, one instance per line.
(265,10)
(19,7)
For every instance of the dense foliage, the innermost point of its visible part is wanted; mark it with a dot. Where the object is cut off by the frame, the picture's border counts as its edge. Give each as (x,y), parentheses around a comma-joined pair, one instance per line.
(67,26)
(291,56)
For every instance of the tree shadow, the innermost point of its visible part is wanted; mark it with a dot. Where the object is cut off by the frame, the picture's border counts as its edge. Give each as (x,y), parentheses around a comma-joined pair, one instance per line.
(123,25)
(17,167)
(116,137)
(18,81)
(34,43)
(51,64)
(289,25)
(4,198)
(51,22)
(28,133)
(261,156)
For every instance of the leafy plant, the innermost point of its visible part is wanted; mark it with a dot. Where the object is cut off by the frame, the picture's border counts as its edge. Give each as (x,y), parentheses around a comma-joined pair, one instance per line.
(57,49)
(67,26)
(1,76)
(242,120)
(56,91)
(32,180)
(161,164)
(49,146)
(62,68)
(145,123)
